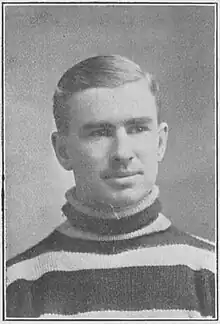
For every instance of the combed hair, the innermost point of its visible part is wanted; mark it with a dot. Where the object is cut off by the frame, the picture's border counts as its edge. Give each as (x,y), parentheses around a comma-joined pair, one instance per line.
(106,71)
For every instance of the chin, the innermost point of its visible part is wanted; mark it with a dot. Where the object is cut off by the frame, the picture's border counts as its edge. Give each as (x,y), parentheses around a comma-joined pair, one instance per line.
(126,197)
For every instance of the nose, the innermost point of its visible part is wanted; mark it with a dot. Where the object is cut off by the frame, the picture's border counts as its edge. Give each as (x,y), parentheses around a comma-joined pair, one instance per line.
(122,152)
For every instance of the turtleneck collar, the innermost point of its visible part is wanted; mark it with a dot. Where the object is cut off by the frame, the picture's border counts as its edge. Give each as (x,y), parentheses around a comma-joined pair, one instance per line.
(110,212)
(92,223)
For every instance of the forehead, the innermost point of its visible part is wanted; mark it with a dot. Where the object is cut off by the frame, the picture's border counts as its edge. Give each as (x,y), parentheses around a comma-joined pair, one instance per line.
(131,100)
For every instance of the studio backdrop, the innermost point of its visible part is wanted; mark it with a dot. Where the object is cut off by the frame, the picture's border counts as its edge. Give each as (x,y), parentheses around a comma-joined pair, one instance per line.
(176,43)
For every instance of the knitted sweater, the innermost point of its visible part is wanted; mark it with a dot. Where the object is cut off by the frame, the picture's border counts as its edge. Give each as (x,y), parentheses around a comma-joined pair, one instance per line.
(152,271)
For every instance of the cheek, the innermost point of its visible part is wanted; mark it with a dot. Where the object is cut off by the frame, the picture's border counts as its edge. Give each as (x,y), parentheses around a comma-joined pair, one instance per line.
(146,147)
(99,150)
(90,155)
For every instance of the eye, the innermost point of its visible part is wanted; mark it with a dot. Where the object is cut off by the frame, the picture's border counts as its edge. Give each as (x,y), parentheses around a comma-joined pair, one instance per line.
(104,132)
(137,129)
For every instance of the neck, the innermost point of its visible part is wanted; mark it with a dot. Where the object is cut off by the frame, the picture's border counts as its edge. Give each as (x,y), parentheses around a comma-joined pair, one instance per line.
(101,210)
(91,219)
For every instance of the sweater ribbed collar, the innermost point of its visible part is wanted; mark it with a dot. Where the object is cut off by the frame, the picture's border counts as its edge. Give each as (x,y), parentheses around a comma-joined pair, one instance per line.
(94,223)
(110,212)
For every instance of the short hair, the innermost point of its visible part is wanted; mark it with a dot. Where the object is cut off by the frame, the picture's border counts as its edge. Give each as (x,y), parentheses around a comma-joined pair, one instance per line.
(108,71)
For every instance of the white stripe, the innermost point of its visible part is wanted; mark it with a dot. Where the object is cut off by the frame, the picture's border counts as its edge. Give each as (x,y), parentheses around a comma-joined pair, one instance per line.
(160,224)
(154,313)
(202,239)
(32,269)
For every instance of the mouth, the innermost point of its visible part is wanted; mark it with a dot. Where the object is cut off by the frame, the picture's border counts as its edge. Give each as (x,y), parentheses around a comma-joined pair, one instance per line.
(121,175)
(123,180)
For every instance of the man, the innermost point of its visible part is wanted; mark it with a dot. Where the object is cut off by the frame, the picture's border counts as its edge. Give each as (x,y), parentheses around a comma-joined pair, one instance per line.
(116,255)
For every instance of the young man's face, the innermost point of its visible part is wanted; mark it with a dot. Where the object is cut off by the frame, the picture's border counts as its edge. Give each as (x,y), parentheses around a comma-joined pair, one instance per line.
(114,143)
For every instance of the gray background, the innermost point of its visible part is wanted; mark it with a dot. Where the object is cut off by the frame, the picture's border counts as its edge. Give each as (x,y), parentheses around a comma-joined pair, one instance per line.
(174,42)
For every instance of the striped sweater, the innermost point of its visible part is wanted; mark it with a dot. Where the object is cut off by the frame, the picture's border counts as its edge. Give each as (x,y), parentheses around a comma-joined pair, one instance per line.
(152,271)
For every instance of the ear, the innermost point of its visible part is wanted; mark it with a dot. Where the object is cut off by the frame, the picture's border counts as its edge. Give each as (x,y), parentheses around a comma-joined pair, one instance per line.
(60,147)
(162,141)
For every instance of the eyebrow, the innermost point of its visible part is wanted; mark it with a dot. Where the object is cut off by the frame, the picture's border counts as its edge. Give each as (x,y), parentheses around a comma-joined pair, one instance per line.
(105,124)
(139,120)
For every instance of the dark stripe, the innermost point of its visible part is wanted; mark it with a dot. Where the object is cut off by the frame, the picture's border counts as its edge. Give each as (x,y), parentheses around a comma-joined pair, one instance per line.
(132,288)
(112,226)
(52,242)
(19,300)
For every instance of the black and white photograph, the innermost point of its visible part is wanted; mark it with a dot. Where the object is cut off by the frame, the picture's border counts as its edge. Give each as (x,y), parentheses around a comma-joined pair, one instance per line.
(109,161)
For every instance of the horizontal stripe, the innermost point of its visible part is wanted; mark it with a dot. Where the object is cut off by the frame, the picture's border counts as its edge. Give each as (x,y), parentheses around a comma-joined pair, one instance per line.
(157,256)
(135,288)
(161,223)
(57,241)
(154,313)
(202,239)
(113,225)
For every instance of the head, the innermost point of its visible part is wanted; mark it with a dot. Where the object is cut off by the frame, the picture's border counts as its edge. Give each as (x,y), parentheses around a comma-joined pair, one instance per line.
(109,134)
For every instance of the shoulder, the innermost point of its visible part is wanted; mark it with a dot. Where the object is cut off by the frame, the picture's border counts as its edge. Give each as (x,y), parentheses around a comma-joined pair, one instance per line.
(193,250)
(27,263)
(202,242)
(25,268)
(175,246)
(43,246)
(192,240)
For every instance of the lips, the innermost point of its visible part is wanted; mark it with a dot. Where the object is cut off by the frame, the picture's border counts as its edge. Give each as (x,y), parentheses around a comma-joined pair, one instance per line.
(117,175)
